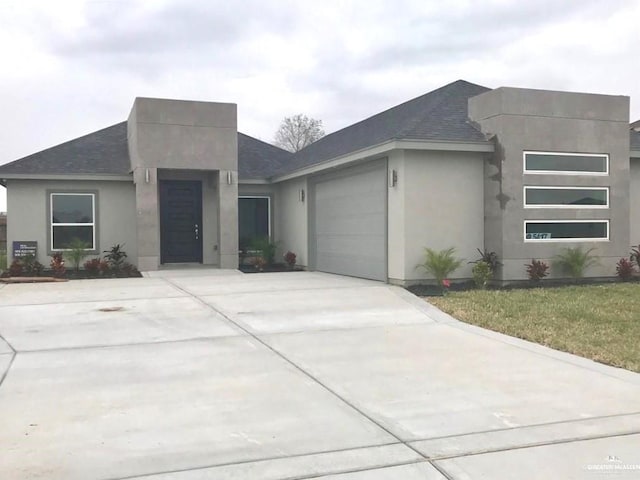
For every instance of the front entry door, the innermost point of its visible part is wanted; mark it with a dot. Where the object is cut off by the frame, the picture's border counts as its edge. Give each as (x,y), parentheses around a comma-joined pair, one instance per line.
(180,221)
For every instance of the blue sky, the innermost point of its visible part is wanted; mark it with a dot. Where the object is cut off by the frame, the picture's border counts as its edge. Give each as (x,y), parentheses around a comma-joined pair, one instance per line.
(74,67)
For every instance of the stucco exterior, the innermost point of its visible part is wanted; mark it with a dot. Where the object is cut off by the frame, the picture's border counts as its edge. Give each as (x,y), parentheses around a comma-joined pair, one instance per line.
(521,120)
(29,218)
(443,207)
(634,201)
(292,219)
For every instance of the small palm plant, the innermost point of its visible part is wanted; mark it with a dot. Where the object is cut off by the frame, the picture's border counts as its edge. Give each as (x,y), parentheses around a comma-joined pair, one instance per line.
(77,252)
(440,264)
(574,261)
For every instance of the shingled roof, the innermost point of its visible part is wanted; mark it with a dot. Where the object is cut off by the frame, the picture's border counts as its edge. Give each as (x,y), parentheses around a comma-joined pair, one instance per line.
(104,152)
(258,159)
(635,140)
(440,115)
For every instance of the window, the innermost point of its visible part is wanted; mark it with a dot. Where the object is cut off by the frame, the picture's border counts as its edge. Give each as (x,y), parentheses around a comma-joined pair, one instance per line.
(566,230)
(566,163)
(254,219)
(72,218)
(566,197)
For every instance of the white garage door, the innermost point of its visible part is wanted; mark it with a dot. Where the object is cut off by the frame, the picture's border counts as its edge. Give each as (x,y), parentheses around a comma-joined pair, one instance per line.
(349,235)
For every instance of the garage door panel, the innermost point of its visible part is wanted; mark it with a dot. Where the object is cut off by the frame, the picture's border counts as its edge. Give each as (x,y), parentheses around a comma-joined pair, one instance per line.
(367,224)
(350,230)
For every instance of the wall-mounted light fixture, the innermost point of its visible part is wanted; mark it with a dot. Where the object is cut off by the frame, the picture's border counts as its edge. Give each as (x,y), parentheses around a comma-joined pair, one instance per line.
(229,177)
(393,178)
(147,175)
(301,195)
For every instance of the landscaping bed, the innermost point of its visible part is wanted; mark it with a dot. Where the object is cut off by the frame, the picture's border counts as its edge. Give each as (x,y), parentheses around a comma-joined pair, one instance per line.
(600,322)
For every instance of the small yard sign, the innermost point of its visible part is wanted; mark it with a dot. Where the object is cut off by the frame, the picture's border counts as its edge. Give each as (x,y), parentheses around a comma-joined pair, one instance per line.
(24,248)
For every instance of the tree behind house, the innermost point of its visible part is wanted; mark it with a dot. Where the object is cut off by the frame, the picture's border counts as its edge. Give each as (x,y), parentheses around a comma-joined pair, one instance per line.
(297,132)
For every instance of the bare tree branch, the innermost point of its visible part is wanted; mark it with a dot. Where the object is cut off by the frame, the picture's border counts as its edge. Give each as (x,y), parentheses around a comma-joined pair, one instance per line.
(297,132)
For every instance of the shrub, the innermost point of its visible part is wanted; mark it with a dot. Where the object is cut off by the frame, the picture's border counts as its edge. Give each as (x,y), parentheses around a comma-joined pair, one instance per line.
(92,266)
(537,270)
(115,258)
(265,247)
(574,261)
(3,260)
(16,268)
(259,263)
(482,273)
(104,267)
(77,251)
(57,265)
(625,269)
(290,259)
(440,264)
(32,267)
(490,258)
(128,269)
(634,256)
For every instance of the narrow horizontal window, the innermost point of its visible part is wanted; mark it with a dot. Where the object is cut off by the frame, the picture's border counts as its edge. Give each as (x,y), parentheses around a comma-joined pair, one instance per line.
(566,230)
(566,197)
(566,163)
(72,220)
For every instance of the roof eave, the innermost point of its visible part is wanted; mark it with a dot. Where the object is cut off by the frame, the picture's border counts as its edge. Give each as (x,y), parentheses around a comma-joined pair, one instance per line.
(385,147)
(78,176)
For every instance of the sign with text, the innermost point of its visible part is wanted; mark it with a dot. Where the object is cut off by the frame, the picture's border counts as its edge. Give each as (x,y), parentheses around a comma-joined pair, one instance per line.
(24,249)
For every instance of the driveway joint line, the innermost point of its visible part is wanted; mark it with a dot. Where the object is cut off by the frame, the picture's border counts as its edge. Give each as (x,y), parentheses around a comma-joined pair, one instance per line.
(249,292)
(532,445)
(6,372)
(266,459)
(134,344)
(310,376)
(8,344)
(13,305)
(524,427)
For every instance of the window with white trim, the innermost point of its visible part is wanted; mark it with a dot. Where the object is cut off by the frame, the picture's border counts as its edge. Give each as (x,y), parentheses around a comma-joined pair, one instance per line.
(72,219)
(566,230)
(254,219)
(558,163)
(566,197)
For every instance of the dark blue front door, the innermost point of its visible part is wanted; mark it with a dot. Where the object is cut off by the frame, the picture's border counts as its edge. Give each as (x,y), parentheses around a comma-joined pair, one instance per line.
(180,221)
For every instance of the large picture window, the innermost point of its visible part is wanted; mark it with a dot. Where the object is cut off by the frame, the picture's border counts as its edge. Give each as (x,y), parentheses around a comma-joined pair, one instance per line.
(254,219)
(72,220)
(566,163)
(566,230)
(566,197)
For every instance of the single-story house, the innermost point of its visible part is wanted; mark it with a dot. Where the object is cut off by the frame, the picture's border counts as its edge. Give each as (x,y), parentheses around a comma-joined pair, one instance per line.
(520,172)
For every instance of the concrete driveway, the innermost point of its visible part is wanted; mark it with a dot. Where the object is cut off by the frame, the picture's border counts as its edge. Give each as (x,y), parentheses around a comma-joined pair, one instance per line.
(205,374)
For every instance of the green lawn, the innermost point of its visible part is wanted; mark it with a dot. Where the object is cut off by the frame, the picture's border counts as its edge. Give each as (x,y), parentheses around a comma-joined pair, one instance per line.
(600,322)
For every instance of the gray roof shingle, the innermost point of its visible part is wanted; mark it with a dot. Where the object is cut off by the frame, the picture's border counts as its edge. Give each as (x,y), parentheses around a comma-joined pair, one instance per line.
(635,140)
(440,115)
(258,159)
(104,152)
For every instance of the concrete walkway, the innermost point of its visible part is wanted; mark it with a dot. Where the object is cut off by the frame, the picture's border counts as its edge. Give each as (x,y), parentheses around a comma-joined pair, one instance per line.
(206,374)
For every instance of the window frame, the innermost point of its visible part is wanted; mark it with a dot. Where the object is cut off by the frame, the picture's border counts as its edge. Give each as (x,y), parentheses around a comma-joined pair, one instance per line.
(561,206)
(564,240)
(268,197)
(93,224)
(565,172)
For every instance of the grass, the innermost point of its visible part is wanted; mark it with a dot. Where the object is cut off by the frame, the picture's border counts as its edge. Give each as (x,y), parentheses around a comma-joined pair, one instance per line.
(600,322)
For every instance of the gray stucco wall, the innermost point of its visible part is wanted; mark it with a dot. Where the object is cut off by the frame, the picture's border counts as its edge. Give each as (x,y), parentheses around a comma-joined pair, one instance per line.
(634,201)
(184,135)
(443,207)
(292,219)
(28,217)
(522,120)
